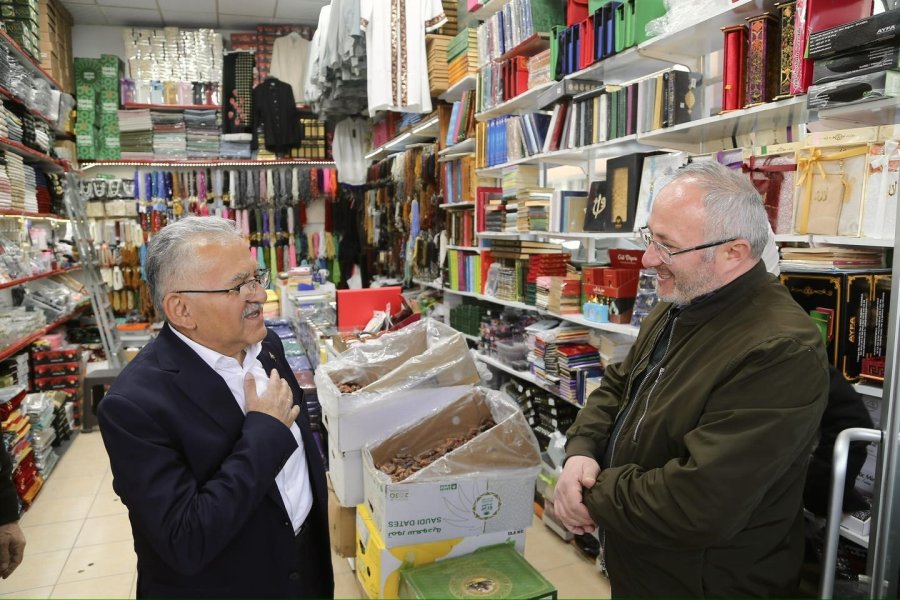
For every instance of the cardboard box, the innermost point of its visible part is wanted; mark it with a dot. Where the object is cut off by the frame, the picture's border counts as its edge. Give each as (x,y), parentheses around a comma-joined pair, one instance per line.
(484,486)
(345,468)
(877,29)
(858,522)
(378,567)
(341,526)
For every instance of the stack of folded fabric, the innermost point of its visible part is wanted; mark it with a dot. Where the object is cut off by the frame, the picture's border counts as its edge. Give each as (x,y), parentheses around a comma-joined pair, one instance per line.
(136,134)
(5,186)
(169,141)
(236,145)
(15,168)
(31,203)
(202,133)
(44,198)
(13,125)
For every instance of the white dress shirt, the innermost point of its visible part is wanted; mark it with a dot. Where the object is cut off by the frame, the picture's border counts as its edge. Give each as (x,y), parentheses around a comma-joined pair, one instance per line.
(293,479)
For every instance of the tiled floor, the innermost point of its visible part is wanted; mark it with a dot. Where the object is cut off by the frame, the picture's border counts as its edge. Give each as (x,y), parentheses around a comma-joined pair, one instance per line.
(79,541)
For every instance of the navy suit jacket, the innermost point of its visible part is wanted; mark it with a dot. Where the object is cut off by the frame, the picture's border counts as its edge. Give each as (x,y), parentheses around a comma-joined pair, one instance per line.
(198,478)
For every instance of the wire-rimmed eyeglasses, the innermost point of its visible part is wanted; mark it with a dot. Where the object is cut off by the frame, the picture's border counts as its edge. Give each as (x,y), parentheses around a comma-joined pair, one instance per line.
(245,289)
(666,253)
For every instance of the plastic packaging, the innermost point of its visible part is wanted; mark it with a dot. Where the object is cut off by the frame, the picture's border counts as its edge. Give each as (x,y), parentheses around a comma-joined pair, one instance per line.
(422,355)
(509,449)
(682,14)
(556,449)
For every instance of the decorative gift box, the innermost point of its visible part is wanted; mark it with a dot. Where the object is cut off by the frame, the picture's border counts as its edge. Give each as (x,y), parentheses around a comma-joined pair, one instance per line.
(880,202)
(774,177)
(831,182)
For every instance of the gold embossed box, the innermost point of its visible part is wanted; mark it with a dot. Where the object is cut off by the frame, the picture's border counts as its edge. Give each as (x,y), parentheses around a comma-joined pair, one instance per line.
(831,181)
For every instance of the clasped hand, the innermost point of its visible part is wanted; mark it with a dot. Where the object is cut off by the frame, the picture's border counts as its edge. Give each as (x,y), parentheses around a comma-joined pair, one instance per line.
(277,401)
(579,473)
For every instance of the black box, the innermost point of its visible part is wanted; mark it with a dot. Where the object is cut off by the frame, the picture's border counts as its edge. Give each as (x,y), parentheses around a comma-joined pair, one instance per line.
(881,305)
(566,89)
(596,215)
(857,296)
(817,291)
(623,182)
(877,29)
(862,88)
(842,66)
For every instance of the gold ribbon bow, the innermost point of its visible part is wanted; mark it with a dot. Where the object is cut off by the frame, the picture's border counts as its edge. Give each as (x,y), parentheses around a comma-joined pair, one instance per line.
(805,166)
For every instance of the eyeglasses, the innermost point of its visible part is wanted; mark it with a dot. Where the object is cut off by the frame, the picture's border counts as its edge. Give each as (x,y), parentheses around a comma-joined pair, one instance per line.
(245,290)
(666,253)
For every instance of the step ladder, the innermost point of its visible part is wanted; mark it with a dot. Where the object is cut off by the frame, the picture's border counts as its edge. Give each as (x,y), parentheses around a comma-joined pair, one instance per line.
(106,321)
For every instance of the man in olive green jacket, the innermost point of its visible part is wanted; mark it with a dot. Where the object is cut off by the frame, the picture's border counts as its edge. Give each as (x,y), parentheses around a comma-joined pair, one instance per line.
(691,456)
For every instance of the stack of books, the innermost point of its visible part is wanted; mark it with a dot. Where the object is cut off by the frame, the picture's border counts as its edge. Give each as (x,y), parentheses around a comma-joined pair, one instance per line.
(565,296)
(529,250)
(539,69)
(451,27)
(828,258)
(462,55)
(541,268)
(438,73)
(518,178)
(533,209)
(576,363)
(613,347)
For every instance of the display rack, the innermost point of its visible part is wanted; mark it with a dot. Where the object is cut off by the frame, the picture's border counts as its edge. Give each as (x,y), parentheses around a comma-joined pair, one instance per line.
(24,342)
(34,157)
(172,164)
(455,92)
(15,282)
(172,107)
(417,134)
(28,61)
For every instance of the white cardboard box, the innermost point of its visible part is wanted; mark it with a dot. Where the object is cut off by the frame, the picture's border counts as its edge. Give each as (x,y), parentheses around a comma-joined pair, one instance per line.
(345,470)
(352,427)
(485,486)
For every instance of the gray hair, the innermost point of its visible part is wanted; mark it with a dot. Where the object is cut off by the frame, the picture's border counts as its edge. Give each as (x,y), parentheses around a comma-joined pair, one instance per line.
(172,248)
(733,207)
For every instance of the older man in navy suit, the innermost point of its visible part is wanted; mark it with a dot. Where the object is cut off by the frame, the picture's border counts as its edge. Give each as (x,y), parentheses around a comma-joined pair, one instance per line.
(208,436)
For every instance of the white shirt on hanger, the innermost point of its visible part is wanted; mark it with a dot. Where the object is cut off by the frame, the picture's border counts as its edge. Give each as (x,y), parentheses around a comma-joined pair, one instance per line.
(290,57)
(348,150)
(398,71)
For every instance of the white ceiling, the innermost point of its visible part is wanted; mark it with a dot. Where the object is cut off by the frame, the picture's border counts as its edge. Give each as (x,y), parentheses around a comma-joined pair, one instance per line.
(225,14)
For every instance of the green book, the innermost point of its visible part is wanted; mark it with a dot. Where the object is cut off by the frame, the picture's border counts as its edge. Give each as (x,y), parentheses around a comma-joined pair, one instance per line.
(491,572)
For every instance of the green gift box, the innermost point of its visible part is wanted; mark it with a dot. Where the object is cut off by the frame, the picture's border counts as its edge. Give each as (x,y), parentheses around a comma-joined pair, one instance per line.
(631,21)
(87,70)
(490,572)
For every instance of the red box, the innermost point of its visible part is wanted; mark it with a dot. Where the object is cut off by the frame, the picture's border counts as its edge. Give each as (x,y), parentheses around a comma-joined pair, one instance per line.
(592,276)
(355,307)
(63,355)
(44,384)
(55,369)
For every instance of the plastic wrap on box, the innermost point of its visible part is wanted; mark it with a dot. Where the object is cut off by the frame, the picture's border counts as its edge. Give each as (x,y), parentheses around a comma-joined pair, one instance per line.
(425,354)
(506,450)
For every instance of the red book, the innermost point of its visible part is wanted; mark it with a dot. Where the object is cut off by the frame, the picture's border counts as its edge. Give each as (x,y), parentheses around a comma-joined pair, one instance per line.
(815,15)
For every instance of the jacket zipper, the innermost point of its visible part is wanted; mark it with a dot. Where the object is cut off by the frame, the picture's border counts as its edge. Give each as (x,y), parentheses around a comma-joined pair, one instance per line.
(622,418)
(637,427)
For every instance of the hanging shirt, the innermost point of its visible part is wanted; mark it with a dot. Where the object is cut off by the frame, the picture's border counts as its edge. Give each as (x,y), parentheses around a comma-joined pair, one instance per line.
(395,49)
(290,57)
(348,150)
(293,479)
(274,107)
